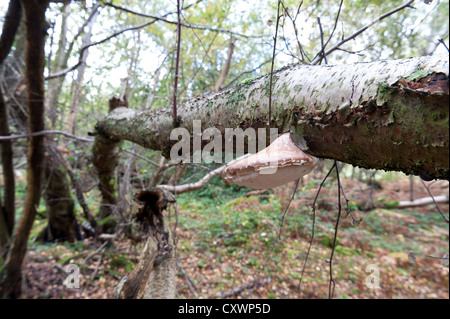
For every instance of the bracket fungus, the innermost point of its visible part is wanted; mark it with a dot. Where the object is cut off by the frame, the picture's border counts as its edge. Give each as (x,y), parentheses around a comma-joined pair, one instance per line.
(279,163)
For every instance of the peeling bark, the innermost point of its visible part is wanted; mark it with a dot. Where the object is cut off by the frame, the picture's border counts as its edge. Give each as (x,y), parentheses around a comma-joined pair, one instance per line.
(390,115)
(154,275)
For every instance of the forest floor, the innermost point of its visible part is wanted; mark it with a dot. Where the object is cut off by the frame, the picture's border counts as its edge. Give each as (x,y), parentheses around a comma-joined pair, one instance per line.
(229,247)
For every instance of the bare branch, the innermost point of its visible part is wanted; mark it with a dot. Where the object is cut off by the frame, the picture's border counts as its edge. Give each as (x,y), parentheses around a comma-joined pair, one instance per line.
(332,284)
(141,157)
(112,5)
(191,26)
(140,26)
(443,43)
(319,56)
(334,28)
(74,67)
(179,189)
(434,200)
(273,61)
(188,280)
(177,63)
(321,42)
(237,290)
(226,86)
(313,226)
(45,132)
(300,47)
(287,207)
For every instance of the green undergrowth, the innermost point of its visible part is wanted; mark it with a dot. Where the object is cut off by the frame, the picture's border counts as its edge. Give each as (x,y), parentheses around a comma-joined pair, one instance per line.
(226,220)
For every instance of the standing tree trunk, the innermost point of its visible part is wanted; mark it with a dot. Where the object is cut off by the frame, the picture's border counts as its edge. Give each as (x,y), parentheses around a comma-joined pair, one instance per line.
(59,63)
(60,206)
(105,159)
(11,275)
(78,82)
(226,66)
(62,223)
(7,206)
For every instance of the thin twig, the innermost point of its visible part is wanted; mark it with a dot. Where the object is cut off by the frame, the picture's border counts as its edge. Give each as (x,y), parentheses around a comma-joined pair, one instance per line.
(226,86)
(177,63)
(46,132)
(334,28)
(141,157)
(287,207)
(191,26)
(80,61)
(237,290)
(95,252)
(349,210)
(300,47)
(321,41)
(332,284)
(179,189)
(188,280)
(443,43)
(115,34)
(318,57)
(273,61)
(435,203)
(97,267)
(313,227)
(200,68)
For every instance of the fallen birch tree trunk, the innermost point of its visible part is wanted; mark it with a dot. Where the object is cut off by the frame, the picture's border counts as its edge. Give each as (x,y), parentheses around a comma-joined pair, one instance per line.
(390,115)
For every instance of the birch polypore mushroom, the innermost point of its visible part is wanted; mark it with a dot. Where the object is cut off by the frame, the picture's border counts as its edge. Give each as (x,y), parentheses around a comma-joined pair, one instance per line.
(279,163)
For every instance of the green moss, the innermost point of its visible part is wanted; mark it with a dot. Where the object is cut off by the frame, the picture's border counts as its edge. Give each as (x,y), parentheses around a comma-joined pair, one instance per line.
(391,204)
(418,74)
(266,85)
(383,92)
(346,251)
(248,80)
(235,98)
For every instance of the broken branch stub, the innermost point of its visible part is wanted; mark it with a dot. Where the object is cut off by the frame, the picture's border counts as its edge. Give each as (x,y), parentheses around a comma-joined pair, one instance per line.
(156,262)
(279,163)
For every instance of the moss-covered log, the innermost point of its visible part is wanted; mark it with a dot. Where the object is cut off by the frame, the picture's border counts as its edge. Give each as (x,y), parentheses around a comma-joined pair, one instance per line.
(390,115)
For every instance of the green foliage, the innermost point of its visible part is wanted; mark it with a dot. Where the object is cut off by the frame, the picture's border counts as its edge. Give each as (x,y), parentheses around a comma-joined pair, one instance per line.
(346,251)
(120,261)
(217,192)
(104,221)
(418,74)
